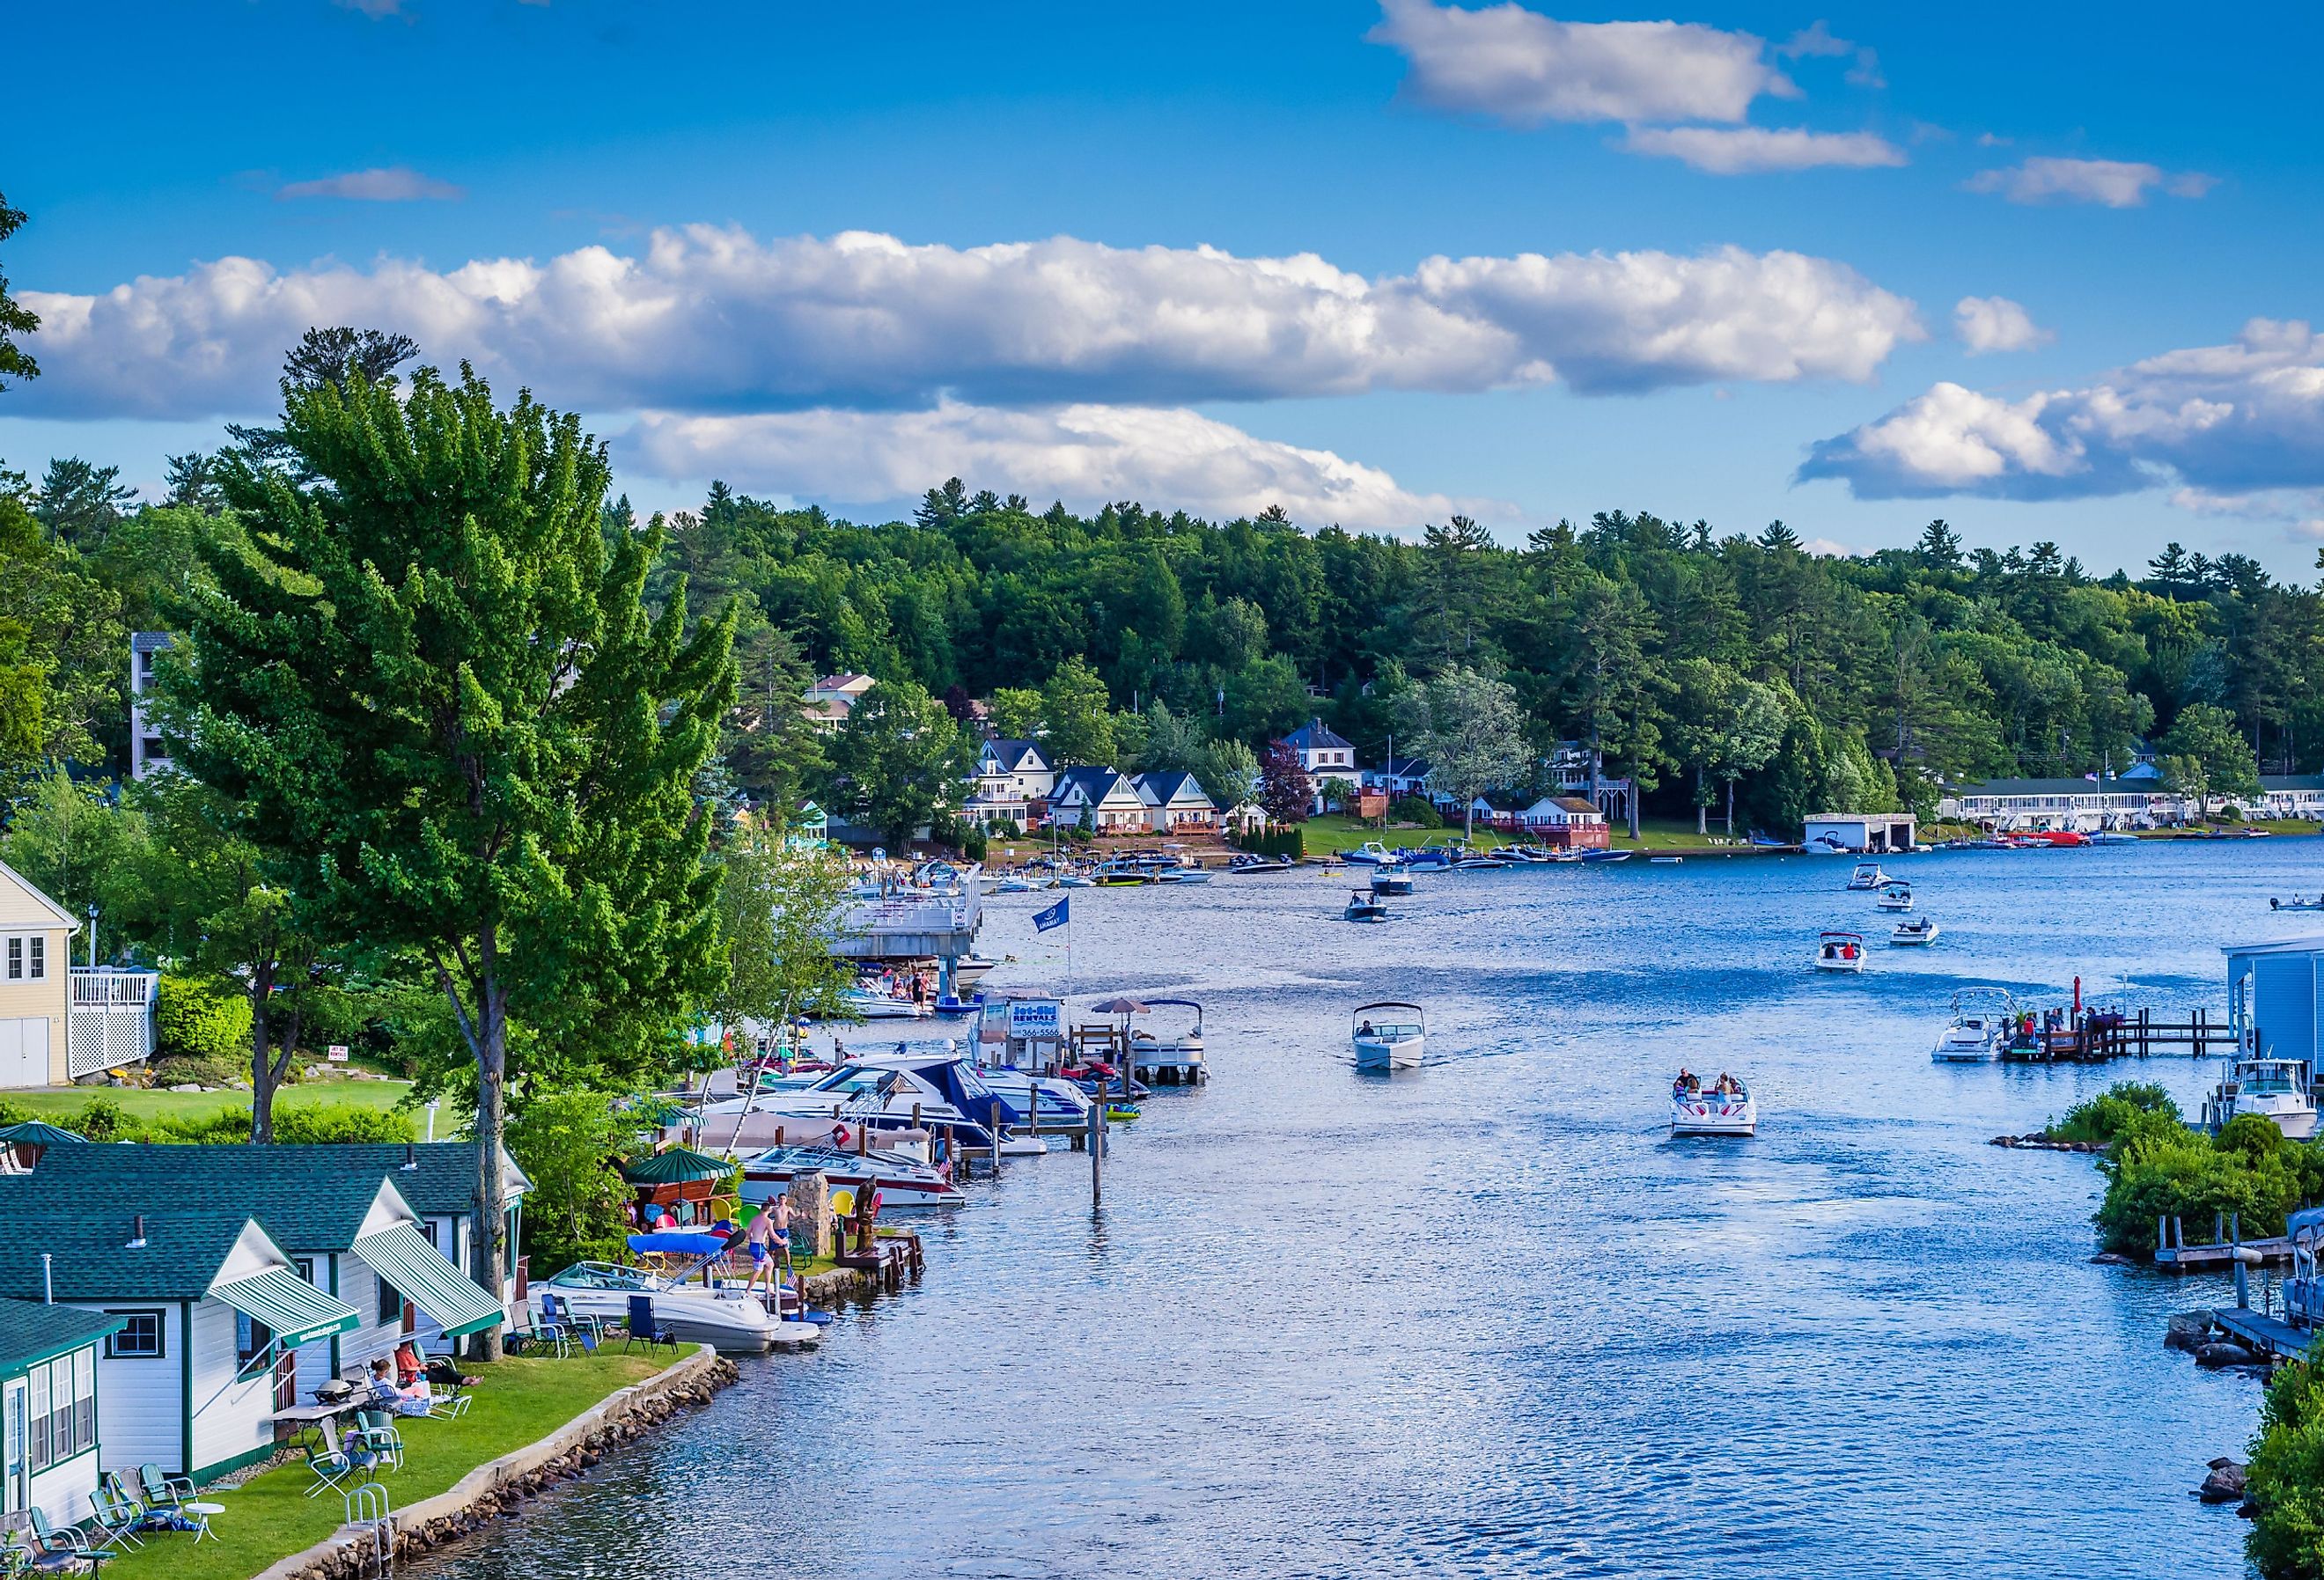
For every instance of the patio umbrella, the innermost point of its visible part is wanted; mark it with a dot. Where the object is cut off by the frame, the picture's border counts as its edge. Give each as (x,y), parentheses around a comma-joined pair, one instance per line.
(1117,1007)
(677,1166)
(38,1132)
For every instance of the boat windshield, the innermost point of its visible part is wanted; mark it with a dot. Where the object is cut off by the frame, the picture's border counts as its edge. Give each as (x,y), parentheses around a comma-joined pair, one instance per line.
(853,1078)
(2268,1079)
(602,1275)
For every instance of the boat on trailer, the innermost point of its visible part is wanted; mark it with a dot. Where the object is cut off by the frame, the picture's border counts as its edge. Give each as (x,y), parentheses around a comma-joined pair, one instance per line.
(1391,1039)
(1697,1109)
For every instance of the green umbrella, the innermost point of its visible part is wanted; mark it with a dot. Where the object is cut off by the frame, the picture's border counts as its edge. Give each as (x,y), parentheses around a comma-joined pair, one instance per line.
(677,1166)
(37,1133)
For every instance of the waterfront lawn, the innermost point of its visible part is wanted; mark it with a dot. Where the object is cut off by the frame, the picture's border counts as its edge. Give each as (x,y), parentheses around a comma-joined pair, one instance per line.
(521,1400)
(58,1103)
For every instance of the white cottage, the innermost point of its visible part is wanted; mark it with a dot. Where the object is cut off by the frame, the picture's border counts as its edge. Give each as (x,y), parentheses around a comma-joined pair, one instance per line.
(1111,802)
(48,1396)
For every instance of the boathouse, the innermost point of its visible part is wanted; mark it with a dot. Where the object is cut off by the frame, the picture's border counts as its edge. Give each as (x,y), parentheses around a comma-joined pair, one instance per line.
(1864,833)
(2273,995)
(1568,823)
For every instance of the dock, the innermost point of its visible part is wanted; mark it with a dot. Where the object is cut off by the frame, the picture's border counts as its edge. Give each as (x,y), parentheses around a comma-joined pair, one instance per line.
(2173,1254)
(2270,1335)
(2096,1036)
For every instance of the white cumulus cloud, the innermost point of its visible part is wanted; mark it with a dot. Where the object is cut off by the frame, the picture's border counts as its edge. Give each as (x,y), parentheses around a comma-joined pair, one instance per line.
(395,184)
(1085,454)
(1996,323)
(2230,424)
(1728,151)
(713,320)
(2113,183)
(1522,67)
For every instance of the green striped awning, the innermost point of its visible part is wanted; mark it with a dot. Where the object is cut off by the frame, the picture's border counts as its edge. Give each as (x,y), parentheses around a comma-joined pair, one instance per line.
(404,1257)
(296,1311)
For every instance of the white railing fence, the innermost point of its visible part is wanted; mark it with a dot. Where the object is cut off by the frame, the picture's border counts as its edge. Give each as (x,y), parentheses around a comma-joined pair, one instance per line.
(111,1019)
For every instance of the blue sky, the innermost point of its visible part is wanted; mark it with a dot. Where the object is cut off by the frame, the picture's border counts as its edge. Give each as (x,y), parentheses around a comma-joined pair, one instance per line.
(1710,269)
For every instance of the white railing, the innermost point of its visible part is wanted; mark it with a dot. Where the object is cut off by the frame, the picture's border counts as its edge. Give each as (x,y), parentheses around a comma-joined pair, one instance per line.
(111,1022)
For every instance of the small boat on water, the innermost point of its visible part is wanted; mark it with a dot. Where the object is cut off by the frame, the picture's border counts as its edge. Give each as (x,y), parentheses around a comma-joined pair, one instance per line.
(2274,1088)
(1604,857)
(725,1317)
(1386,880)
(1372,853)
(1868,875)
(1840,952)
(1183,875)
(1121,875)
(1363,907)
(1725,1108)
(1037,1102)
(1980,1028)
(1246,862)
(2112,836)
(1920,929)
(1896,894)
(1432,855)
(969,968)
(1664,861)
(1388,1035)
(1182,1049)
(2295,903)
(1479,861)
(870,1004)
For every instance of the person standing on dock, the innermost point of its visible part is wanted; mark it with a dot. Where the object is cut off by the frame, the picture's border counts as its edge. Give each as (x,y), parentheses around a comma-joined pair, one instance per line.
(759,1234)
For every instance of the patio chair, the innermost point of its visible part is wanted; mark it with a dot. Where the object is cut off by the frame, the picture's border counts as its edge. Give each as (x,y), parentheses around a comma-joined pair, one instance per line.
(375,1430)
(332,1467)
(642,1327)
(116,1523)
(163,1490)
(577,1329)
(445,1405)
(55,1549)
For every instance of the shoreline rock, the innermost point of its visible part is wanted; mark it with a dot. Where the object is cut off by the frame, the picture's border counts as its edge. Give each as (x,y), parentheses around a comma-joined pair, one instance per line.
(2225,1484)
(2042,1142)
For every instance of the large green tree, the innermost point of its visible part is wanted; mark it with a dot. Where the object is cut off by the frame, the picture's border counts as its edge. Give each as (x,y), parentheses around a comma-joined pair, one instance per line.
(1470,728)
(16,320)
(898,761)
(432,681)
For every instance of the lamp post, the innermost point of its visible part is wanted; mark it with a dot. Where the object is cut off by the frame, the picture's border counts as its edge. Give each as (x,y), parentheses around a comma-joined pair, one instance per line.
(92,934)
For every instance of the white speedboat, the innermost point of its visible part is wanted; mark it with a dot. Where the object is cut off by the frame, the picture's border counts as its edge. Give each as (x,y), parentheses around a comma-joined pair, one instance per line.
(724,1316)
(870,1004)
(1183,875)
(970,968)
(1868,875)
(1896,894)
(1697,1109)
(1920,929)
(1388,881)
(1840,952)
(930,1088)
(901,1179)
(2273,1088)
(1037,1102)
(1979,1027)
(1372,853)
(1388,1035)
(1363,907)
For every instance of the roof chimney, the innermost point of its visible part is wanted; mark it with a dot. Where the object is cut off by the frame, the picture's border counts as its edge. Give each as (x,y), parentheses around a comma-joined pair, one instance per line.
(136,1232)
(48,1280)
(410,1157)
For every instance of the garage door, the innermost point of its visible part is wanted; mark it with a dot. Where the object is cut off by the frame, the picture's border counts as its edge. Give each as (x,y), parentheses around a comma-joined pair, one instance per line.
(25,1051)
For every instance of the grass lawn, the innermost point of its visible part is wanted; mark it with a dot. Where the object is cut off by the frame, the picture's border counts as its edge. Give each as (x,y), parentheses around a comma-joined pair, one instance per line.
(53,1104)
(521,1400)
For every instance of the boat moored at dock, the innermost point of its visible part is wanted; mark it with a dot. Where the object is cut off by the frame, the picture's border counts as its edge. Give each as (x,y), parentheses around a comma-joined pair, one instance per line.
(901,1179)
(2276,1089)
(725,1317)
(1979,1028)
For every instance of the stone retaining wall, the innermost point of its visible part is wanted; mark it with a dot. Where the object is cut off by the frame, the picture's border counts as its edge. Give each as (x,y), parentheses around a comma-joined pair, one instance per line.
(494,1487)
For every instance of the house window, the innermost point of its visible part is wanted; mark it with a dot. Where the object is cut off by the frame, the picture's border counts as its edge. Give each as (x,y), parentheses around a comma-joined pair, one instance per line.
(36,1433)
(391,1302)
(40,971)
(140,1340)
(252,1344)
(84,1366)
(16,959)
(306,1266)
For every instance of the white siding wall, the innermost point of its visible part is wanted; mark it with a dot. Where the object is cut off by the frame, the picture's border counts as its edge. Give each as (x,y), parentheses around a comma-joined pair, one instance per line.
(61,1491)
(138,1414)
(229,1417)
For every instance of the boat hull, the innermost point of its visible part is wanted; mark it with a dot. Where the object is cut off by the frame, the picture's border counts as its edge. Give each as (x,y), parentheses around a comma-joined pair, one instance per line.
(1388,1053)
(1709,1115)
(729,1321)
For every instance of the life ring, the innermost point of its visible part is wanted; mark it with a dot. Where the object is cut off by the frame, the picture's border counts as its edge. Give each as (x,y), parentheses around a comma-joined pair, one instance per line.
(839,1136)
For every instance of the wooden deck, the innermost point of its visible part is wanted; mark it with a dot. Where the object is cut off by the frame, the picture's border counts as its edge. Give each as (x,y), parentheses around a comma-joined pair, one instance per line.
(2188,1259)
(2268,1335)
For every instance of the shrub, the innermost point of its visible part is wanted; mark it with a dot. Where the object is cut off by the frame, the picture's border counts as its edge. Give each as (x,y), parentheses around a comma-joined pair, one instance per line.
(338,1122)
(202,1019)
(177,1069)
(101,1119)
(2159,1168)
(1275,842)
(1416,809)
(2285,1479)
(2113,1111)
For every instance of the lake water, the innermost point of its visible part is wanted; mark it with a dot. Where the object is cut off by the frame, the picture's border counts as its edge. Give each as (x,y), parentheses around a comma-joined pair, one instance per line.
(1488,1317)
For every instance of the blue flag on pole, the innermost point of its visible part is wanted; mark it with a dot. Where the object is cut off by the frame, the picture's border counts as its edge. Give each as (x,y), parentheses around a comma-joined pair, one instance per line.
(1058,915)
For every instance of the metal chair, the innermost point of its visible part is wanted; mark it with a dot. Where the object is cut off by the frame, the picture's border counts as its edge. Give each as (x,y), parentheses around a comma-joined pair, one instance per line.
(375,1430)
(332,1467)
(116,1523)
(54,1548)
(643,1327)
(163,1490)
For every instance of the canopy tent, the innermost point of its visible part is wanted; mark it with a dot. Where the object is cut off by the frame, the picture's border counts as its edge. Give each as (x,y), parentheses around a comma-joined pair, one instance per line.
(677,1166)
(409,1261)
(292,1309)
(38,1132)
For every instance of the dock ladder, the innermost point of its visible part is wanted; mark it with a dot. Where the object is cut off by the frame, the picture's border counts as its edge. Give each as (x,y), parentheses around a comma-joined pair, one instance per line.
(374,1522)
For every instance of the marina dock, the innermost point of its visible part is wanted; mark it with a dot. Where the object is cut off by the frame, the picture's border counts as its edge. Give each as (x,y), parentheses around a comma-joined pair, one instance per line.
(2096,1036)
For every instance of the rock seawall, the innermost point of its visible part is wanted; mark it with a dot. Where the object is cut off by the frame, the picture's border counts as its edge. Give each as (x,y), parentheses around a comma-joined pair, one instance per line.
(499,1486)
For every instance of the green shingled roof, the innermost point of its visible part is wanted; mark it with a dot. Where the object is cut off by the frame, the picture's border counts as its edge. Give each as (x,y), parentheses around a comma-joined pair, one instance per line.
(31,1332)
(306,1202)
(89,1247)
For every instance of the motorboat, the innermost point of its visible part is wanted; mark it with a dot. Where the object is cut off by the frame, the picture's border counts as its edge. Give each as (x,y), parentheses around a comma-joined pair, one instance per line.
(1867,875)
(1250,862)
(1840,952)
(2112,836)
(931,1087)
(1388,881)
(1980,1028)
(870,1004)
(1037,1102)
(2273,1088)
(1388,1035)
(1479,861)
(901,1179)
(724,1316)
(1016,885)
(2295,903)
(1604,857)
(1372,853)
(1697,1109)
(1077,881)
(1432,855)
(1532,856)
(1920,929)
(970,968)
(1363,907)
(1183,875)
(1824,845)
(1120,874)
(1664,861)
(1896,894)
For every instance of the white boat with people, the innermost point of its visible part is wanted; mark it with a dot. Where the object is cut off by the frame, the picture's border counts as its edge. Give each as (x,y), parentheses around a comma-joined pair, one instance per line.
(1724,1107)
(1364,907)
(869,1003)
(1868,875)
(1896,894)
(1840,952)
(722,1316)
(2295,903)
(1922,930)
(1978,1028)
(1391,881)
(1388,1035)
(2279,1089)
